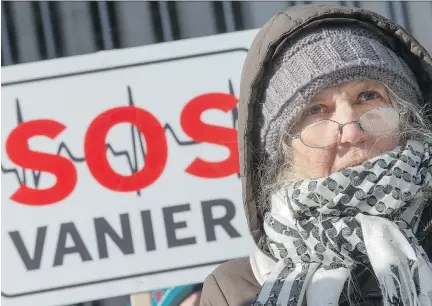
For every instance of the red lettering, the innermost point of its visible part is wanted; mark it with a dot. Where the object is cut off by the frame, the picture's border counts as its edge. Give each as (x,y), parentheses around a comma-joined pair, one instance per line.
(202,132)
(18,151)
(95,149)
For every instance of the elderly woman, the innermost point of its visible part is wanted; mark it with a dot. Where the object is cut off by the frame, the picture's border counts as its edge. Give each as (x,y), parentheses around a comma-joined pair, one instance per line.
(335,152)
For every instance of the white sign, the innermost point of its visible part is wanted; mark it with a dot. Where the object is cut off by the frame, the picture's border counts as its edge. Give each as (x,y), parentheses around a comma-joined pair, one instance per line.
(120,171)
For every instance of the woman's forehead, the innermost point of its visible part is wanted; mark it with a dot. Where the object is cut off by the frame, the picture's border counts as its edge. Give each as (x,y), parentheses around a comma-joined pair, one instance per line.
(347,88)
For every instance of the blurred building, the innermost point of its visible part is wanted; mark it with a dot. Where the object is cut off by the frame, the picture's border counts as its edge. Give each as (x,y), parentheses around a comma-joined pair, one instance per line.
(41,30)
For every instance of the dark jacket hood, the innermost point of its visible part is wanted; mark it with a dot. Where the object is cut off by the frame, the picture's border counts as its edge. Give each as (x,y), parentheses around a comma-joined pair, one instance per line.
(283,26)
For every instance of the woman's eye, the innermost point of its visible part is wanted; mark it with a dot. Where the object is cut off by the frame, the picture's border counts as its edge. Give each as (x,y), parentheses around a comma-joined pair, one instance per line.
(369,96)
(315,110)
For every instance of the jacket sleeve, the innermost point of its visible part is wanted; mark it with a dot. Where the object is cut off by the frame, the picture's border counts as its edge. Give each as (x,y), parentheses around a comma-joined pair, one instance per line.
(230,284)
(211,294)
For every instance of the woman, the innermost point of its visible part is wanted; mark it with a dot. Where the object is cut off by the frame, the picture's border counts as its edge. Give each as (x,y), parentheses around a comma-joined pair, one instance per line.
(335,155)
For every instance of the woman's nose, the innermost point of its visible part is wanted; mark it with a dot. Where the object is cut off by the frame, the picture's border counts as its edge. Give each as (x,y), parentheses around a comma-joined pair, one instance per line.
(351,133)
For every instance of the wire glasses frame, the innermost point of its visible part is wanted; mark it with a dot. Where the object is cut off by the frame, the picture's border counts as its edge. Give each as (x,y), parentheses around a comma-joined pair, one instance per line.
(378,121)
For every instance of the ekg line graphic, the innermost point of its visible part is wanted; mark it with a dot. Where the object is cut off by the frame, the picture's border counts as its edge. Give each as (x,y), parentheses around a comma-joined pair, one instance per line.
(21,174)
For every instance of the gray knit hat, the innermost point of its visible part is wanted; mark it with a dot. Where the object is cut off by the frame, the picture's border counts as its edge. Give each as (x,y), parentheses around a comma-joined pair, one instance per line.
(323,57)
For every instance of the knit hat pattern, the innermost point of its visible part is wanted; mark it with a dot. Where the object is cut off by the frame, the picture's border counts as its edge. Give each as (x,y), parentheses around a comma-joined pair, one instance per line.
(328,56)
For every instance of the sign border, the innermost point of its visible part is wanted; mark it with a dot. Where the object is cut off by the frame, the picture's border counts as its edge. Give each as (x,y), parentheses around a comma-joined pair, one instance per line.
(124,66)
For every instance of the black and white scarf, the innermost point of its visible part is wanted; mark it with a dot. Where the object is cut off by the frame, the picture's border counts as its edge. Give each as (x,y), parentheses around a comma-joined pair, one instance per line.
(320,229)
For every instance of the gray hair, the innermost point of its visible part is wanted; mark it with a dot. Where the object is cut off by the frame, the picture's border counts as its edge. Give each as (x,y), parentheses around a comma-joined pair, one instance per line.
(278,173)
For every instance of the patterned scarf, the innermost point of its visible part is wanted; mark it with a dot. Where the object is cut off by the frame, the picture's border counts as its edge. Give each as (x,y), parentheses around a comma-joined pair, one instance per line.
(320,229)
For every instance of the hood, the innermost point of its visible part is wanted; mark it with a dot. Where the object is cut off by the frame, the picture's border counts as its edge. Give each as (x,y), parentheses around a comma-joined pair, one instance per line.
(281,27)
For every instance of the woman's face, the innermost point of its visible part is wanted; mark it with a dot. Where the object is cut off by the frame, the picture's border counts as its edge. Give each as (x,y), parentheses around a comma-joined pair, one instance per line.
(342,103)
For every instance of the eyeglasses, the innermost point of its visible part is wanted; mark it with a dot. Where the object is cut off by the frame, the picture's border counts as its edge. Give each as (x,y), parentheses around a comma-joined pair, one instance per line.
(378,121)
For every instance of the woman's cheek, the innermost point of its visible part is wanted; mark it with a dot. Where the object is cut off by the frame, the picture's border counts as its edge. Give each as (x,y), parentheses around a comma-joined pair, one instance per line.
(384,144)
(312,163)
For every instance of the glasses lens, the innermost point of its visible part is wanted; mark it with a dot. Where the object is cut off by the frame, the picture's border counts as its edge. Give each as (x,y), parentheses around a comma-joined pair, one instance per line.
(380,121)
(320,134)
